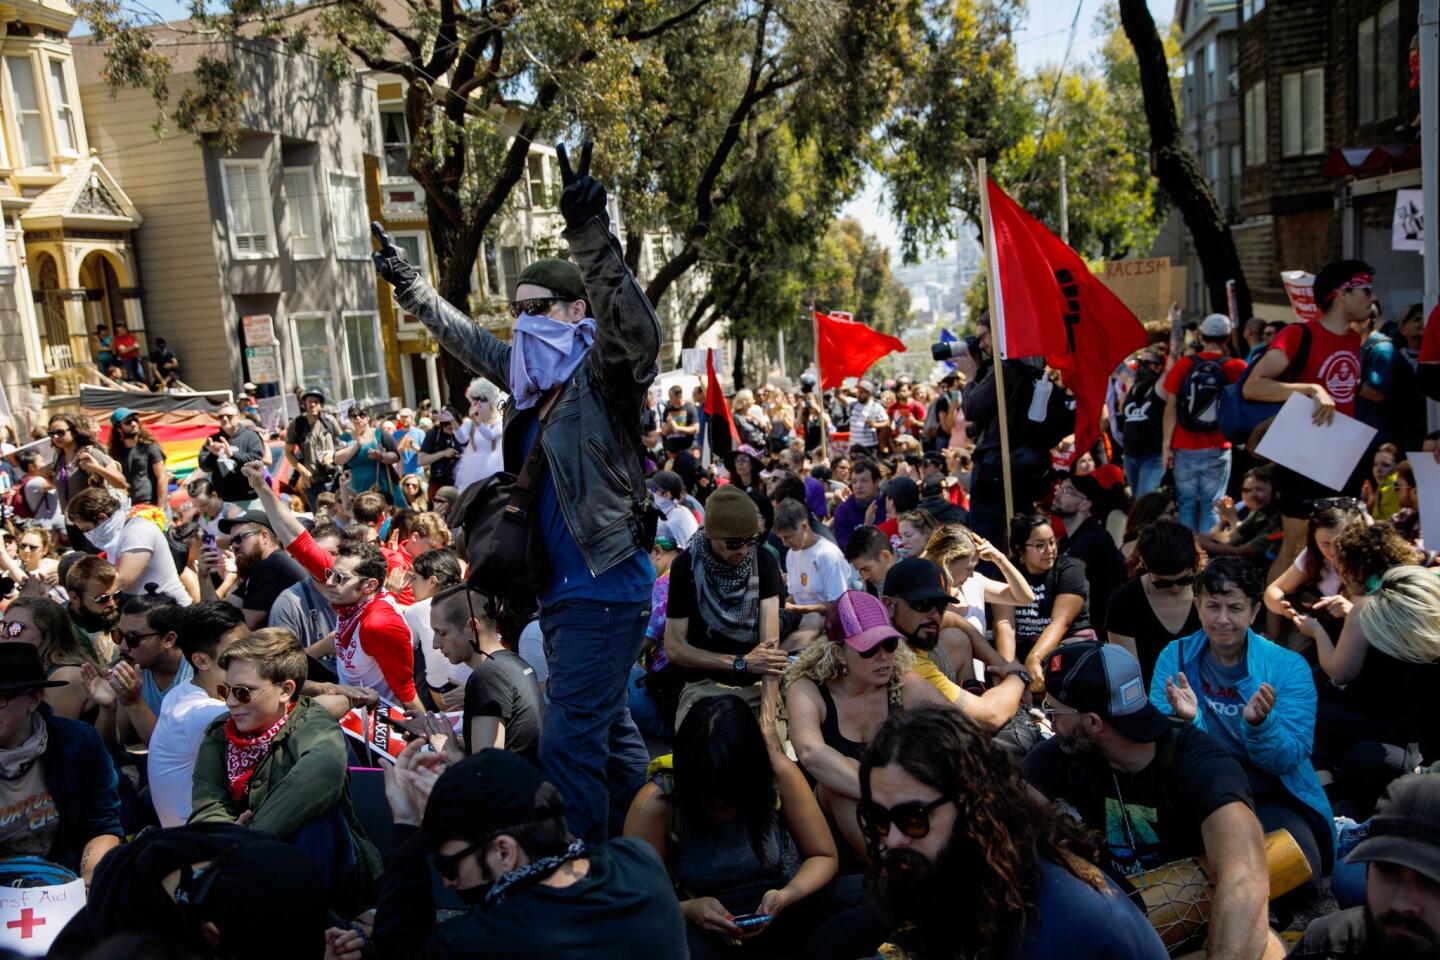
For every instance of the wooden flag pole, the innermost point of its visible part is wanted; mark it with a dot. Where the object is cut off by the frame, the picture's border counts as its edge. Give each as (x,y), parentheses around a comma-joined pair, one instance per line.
(997,341)
(820,393)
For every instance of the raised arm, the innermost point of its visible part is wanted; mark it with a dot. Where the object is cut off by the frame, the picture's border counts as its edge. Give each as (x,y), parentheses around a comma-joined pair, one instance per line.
(282,521)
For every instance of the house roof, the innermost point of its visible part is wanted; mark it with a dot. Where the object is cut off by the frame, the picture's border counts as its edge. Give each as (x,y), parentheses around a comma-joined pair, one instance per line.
(88,197)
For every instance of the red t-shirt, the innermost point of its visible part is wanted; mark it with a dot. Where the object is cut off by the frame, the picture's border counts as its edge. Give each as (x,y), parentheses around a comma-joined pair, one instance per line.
(901,412)
(382,636)
(126,347)
(1184,439)
(1334,361)
(1430,341)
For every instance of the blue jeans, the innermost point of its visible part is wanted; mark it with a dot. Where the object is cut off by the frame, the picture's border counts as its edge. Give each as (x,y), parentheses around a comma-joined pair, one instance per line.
(590,747)
(1200,479)
(1144,472)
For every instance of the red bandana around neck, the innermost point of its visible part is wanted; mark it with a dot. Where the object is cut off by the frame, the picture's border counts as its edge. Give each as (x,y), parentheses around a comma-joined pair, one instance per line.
(243,754)
(349,618)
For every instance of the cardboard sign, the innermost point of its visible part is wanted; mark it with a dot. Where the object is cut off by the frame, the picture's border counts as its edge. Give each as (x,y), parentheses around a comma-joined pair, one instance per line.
(32,917)
(259,330)
(1325,454)
(264,364)
(1300,288)
(1147,286)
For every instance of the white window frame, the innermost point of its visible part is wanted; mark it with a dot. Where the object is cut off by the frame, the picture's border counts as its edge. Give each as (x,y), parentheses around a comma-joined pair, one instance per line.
(266,203)
(361,250)
(393,106)
(314,205)
(297,359)
(1257,147)
(19,114)
(1295,123)
(533,182)
(422,240)
(352,376)
(64,109)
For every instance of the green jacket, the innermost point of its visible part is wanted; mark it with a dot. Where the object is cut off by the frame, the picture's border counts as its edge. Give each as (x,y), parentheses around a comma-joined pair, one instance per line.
(304,774)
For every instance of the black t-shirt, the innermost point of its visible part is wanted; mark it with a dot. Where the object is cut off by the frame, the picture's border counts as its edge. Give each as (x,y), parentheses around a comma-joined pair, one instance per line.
(1130,615)
(685,416)
(683,605)
(442,471)
(1144,414)
(1145,823)
(270,578)
(1067,576)
(1093,546)
(504,686)
(136,463)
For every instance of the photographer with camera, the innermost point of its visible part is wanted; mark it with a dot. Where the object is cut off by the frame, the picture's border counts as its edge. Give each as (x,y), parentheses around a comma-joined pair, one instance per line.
(1039,413)
(310,444)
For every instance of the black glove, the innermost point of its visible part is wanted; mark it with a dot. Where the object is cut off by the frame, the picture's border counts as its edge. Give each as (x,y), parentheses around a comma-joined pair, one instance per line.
(390,261)
(582,196)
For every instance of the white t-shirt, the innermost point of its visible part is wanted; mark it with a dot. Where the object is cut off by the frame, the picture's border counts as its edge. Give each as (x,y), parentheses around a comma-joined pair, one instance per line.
(438,669)
(817,574)
(972,593)
(682,522)
(1329,585)
(185,713)
(141,534)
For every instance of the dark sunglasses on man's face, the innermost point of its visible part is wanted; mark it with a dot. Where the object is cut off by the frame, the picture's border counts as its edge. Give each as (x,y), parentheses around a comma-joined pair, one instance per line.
(737,543)
(448,864)
(931,605)
(889,644)
(535,306)
(911,819)
(1162,583)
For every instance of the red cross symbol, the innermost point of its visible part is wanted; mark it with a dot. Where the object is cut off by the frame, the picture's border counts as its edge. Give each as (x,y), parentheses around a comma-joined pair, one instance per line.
(26,923)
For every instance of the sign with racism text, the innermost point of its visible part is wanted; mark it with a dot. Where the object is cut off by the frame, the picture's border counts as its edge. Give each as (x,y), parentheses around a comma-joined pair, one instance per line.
(1147,286)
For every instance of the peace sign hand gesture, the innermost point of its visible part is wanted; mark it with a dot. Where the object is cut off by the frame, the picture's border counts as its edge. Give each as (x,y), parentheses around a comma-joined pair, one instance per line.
(390,261)
(582,196)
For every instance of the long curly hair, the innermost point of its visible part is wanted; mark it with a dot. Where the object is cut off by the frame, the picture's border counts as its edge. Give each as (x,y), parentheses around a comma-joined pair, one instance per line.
(1001,833)
(823,661)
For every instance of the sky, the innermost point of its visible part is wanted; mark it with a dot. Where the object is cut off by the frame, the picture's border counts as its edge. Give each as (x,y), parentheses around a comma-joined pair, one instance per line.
(1041,41)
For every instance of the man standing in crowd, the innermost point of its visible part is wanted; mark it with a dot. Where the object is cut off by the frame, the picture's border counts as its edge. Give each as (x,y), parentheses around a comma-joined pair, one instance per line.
(408,440)
(723,616)
(1143,424)
(310,444)
(816,573)
(139,457)
(1401,914)
(503,705)
(226,451)
(188,708)
(1178,793)
(1192,444)
(264,569)
(864,507)
(680,422)
(440,453)
(866,416)
(371,643)
(497,833)
(941,813)
(54,773)
(584,349)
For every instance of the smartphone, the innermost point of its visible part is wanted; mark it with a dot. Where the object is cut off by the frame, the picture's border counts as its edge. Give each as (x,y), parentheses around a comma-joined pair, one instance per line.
(751,919)
(207,540)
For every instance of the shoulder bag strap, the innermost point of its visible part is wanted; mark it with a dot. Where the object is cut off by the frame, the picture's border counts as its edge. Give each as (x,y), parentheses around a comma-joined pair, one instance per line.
(521,495)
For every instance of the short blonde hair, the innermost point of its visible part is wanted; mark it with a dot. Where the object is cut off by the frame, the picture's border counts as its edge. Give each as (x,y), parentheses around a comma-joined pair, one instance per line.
(1402,617)
(430,525)
(821,662)
(274,652)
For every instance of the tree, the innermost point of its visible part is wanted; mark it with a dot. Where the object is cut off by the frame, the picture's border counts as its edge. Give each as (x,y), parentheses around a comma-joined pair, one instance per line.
(1176,168)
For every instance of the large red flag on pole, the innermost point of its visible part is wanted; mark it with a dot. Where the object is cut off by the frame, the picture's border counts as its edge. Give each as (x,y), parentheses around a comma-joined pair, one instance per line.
(1048,303)
(720,434)
(847,349)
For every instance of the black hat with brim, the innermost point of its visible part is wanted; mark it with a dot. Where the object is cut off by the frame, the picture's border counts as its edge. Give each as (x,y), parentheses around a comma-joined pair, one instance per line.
(21,669)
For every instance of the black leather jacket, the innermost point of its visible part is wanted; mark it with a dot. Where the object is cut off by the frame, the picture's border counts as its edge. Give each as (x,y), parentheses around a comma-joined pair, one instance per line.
(592,441)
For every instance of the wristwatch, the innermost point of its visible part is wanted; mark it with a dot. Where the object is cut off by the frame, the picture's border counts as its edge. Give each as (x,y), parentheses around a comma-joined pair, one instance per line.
(740,665)
(1020,672)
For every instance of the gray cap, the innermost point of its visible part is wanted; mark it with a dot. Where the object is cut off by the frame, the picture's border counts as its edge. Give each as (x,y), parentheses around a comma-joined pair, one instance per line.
(1215,326)
(1405,829)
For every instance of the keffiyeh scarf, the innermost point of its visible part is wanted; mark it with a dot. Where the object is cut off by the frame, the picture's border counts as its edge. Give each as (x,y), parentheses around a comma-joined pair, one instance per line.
(728,596)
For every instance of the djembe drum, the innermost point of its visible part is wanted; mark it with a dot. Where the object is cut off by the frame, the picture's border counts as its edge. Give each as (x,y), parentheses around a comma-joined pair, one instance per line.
(1178,895)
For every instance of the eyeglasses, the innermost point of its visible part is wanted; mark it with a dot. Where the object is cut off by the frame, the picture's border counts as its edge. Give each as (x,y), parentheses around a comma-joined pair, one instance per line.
(1160,583)
(135,639)
(242,694)
(240,538)
(912,819)
(736,543)
(930,605)
(448,864)
(1051,711)
(1334,503)
(535,306)
(40,546)
(11,628)
(890,645)
(1041,544)
(58,433)
(335,578)
(106,598)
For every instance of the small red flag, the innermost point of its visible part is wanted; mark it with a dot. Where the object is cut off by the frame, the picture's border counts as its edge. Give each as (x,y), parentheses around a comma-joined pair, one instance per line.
(847,349)
(720,434)
(1050,304)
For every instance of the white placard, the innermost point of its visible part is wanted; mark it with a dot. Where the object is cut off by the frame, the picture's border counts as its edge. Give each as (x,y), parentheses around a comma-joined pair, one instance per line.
(32,917)
(692,361)
(1407,228)
(259,330)
(1427,485)
(1325,454)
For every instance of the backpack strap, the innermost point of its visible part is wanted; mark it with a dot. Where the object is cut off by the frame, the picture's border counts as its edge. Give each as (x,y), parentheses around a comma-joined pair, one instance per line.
(1302,356)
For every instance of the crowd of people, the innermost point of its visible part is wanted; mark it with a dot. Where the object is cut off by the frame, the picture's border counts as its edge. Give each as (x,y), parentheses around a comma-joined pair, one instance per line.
(811,697)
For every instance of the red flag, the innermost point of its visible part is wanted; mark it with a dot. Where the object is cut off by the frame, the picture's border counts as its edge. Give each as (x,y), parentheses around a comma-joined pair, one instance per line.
(1057,308)
(720,434)
(847,349)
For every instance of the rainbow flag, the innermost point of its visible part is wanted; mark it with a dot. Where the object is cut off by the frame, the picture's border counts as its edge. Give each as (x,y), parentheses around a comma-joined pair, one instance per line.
(180,422)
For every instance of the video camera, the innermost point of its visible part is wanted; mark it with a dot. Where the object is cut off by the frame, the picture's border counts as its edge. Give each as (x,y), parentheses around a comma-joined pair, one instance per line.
(955,349)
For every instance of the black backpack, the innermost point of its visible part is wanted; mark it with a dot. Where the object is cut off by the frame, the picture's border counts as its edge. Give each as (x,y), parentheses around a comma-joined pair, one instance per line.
(1197,405)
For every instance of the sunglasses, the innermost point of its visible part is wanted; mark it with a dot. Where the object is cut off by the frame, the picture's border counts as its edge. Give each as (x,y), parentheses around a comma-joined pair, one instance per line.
(889,644)
(448,864)
(11,628)
(931,605)
(534,306)
(242,694)
(135,639)
(912,819)
(1335,503)
(335,578)
(1161,583)
(735,543)
(106,598)
(1051,712)
(58,433)
(240,538)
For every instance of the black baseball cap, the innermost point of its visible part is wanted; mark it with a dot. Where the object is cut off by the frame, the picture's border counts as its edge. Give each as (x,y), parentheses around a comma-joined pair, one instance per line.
(916,580)
(1105,678)
(1405,829)
(904,491)
(668,481)
(935,457)
(250,516)
(482,794)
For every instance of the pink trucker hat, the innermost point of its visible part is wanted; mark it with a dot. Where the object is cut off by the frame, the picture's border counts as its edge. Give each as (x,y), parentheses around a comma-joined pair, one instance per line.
(859,620)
